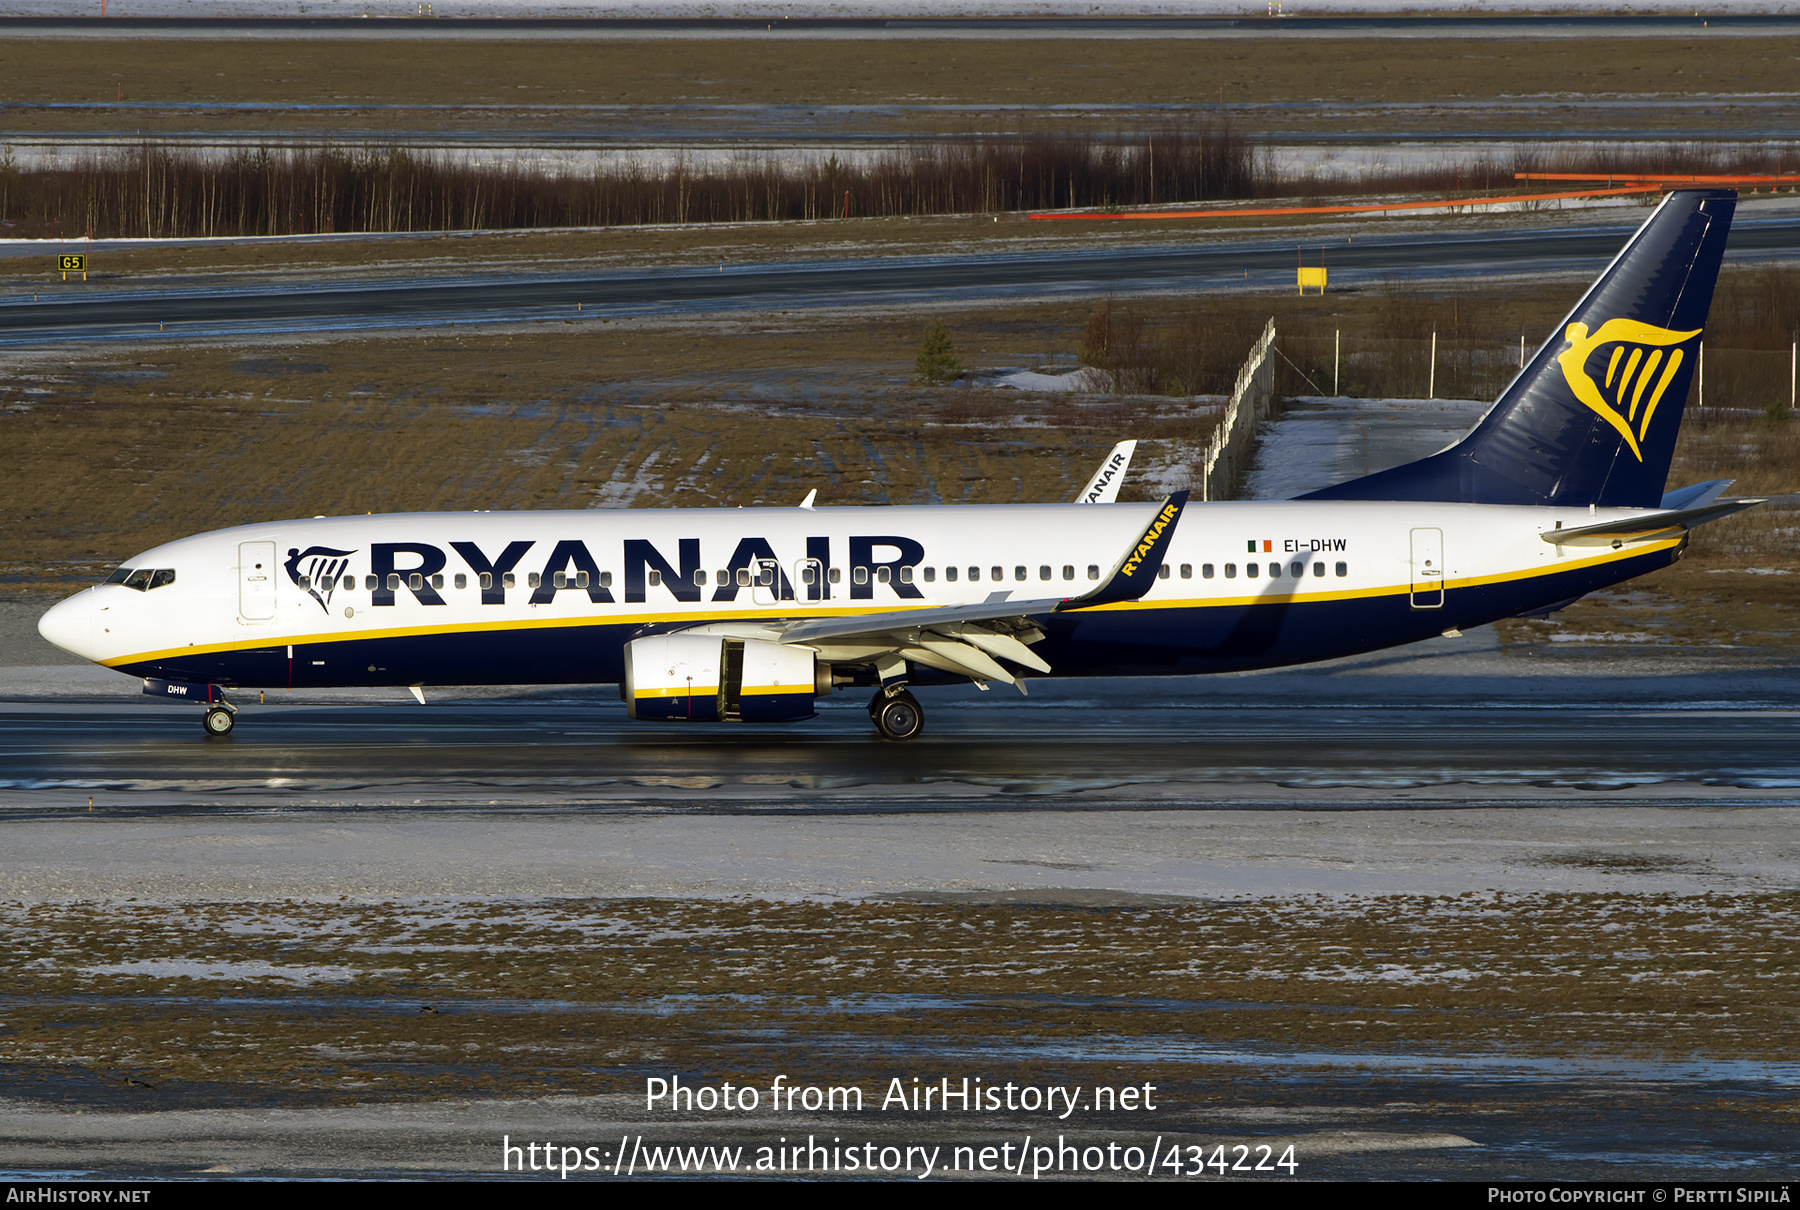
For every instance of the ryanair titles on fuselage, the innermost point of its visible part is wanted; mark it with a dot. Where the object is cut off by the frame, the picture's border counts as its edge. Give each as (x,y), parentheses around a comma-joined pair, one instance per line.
(571,566)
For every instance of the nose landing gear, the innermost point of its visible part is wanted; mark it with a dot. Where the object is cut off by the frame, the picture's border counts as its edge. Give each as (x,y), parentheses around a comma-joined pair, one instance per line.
(897,717)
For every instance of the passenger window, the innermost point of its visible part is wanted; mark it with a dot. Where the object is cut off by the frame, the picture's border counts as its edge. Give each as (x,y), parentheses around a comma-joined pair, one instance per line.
(1252,570)
(1068,571)
(606,579)
(1206,571)
(486,580)
(1318,569)
(581,578)
(1274,571)
(415,581)
(884,574)
(950,574)
(1093,571)
(328,583)
(1343,569)
(1018,573)
(461,581)
(559,580)
(743,577)
(393,581)
(1231,571)
(999,573)
(809,574)
(836,575)
(437,581)
(860,575)
(1162,573)
(1187,571)
(305,582)
(699,578)
(906,575)
(371,583)
(1044,572)
(508,580)
(1297,570)
(930,575)
(655,578)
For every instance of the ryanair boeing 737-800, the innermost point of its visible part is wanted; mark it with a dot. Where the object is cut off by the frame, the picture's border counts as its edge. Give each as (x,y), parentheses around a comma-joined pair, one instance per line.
(709,615)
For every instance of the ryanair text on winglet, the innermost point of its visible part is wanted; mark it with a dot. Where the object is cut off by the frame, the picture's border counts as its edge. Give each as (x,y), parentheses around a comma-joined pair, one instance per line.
(1147,543)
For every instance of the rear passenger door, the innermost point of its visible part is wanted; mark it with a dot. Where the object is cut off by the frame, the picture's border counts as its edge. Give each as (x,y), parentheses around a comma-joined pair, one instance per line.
(1427,569)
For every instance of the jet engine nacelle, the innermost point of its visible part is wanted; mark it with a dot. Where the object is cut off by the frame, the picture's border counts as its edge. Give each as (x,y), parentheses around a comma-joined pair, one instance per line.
(707,678)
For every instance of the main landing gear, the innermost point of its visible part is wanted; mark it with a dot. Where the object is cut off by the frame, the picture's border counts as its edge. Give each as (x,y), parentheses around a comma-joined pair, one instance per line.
(219,718)
(897,716)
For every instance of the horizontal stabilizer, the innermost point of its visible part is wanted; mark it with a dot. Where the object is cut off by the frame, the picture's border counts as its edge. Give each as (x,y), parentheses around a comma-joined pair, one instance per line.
(1648,527)
(1694,495)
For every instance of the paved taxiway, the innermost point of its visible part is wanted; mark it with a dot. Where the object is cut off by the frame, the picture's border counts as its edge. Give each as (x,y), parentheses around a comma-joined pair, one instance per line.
(1449,722)
(346,303)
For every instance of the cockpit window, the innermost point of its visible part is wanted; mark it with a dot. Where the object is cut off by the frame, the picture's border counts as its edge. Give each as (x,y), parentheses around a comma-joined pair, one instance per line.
(143,579)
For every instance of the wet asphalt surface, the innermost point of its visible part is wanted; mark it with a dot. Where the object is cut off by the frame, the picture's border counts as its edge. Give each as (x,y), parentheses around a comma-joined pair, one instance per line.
(28,319)
(1168,743)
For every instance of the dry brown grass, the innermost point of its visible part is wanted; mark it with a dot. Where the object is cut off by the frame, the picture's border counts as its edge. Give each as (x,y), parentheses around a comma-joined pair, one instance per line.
(570,995)
(1737,586)
(182,440)
(541,79)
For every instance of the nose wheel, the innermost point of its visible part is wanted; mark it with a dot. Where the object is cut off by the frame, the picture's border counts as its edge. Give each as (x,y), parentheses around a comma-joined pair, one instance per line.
(898,717)
(218,720)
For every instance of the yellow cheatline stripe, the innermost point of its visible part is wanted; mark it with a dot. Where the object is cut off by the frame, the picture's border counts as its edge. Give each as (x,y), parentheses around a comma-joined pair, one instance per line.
(1400,590)
(713,691)
(683,691)
(826,611)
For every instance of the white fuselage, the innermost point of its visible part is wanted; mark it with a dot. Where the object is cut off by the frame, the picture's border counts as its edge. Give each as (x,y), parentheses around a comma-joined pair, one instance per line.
(399,599)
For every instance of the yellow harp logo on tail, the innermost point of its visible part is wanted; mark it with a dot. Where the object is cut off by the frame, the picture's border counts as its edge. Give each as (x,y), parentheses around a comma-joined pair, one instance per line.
(1642,365)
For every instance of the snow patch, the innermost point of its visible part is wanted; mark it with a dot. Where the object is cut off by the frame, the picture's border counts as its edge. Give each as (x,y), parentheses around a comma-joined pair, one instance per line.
(190,968)
(1086,380)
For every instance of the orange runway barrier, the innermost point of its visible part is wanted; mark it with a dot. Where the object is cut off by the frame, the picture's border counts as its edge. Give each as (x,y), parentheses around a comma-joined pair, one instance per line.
(1264,212)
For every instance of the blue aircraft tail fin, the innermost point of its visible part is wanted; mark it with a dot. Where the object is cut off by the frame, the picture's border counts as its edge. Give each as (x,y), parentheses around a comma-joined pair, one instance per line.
(1593,418)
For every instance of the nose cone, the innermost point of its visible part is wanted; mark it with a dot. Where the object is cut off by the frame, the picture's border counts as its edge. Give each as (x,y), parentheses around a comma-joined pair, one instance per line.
(70,625)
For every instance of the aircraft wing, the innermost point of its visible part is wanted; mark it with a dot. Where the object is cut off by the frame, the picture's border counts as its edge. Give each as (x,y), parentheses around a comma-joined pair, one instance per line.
(993,609)
(1649,526)
(968,640)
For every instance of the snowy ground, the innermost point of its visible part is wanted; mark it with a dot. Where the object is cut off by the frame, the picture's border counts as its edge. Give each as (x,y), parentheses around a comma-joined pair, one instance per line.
(1322,441)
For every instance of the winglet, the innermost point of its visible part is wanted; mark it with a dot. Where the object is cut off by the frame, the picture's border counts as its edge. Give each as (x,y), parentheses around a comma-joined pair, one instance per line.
(810,497)
(1103,488)
(1137,571)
